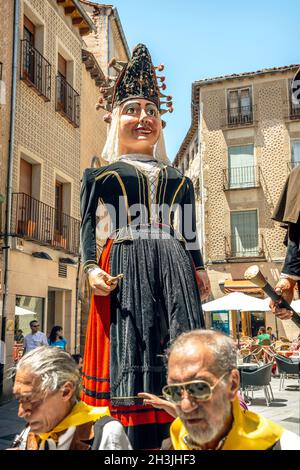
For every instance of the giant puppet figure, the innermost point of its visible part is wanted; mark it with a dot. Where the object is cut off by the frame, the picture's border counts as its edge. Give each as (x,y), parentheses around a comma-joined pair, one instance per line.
(288,213)
(133,317)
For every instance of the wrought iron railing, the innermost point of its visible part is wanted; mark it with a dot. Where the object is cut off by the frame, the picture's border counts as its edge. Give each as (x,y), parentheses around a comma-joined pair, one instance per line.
(244,246)
(35,70)
(294,110)
(241,177)
(67,101)
(239,116)
(38,222)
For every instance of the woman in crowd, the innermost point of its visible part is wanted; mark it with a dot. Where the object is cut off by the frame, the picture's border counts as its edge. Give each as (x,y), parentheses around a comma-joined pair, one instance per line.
(56,338)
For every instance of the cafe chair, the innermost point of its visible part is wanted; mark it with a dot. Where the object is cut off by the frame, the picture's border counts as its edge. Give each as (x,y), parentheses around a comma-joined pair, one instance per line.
(260,377)
(244,352)
(286,366)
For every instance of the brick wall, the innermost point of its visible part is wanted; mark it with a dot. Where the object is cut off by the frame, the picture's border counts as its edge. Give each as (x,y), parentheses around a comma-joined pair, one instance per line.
(93,128)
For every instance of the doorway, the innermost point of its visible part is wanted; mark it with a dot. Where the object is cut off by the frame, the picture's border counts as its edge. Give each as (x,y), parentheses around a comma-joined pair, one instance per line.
(257,320)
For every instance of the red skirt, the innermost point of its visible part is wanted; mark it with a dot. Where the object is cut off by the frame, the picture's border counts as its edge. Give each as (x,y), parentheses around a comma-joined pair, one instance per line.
(146,427)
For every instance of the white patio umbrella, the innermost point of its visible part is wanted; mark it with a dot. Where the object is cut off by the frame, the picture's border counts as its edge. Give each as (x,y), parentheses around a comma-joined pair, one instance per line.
(23,311)
(236,301)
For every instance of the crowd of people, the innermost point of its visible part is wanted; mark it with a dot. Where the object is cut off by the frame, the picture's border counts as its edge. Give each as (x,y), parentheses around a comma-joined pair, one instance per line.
(201,398)
(147,279)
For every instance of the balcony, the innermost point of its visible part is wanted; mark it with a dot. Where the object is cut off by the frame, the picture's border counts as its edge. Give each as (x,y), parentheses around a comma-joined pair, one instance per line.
(67,101)
(237,248)
(35,221)
(294,113)
(237,117)
(35,70)
(241,177)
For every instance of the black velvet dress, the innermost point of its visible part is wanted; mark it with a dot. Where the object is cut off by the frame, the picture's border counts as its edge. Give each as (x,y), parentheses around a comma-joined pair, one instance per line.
(158,297)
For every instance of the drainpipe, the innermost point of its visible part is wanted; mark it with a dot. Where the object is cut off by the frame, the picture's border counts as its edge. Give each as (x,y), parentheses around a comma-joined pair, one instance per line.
(10,173)
(77,302)
(202,191)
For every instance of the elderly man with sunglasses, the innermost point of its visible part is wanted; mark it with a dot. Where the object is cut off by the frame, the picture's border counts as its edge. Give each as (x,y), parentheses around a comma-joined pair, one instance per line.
(203,384)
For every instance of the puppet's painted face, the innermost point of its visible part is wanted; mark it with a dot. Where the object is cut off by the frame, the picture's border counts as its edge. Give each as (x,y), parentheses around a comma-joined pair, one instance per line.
(139,128)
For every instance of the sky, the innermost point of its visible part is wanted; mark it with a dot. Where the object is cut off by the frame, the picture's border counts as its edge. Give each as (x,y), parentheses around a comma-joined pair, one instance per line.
(198,39)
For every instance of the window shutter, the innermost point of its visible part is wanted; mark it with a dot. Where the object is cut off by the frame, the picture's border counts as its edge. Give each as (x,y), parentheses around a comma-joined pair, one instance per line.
(244,233)
(241,166)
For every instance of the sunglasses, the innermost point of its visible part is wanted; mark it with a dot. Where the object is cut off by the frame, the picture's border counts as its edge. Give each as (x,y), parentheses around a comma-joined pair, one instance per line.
(199,389)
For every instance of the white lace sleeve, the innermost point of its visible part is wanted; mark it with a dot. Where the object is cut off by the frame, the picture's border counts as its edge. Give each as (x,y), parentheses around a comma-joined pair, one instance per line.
(103,227)
(114,437)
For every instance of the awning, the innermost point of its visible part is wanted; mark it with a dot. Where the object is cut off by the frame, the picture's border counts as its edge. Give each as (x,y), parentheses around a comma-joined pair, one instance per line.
(241,285)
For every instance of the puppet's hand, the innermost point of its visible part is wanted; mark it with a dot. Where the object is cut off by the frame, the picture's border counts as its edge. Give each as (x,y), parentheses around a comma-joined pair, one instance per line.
(284,288)
(101,282)
(203,284)
(157,402)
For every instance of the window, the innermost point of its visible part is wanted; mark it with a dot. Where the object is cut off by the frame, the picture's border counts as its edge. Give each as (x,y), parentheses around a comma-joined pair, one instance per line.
(29,42)
(62,219)
(62,66)
(58,206)
(27,309)
(239,106)
(35,69)
(295,144)
(187,160)
(27,198)
(244,233)
(294,103)
(25,185)
(62,82)
(29,31)
(241,169)
(67,99)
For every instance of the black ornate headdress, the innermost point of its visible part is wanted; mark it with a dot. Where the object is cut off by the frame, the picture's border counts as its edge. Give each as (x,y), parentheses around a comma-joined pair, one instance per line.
(135,79)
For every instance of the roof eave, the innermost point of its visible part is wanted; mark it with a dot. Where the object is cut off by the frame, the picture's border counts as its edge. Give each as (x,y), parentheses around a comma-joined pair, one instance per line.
(120,28)
(79,17)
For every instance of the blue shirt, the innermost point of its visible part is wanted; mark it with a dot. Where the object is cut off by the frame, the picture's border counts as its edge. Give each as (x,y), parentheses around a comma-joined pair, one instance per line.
(60,343)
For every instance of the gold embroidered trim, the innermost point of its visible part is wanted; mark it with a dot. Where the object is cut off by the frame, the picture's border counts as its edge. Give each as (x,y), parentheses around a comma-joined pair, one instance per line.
(174,197)
(106,173)
(164,195)
(139,183)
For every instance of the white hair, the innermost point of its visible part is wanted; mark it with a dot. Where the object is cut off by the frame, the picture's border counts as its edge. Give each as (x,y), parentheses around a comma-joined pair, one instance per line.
(52,367)
(222,346)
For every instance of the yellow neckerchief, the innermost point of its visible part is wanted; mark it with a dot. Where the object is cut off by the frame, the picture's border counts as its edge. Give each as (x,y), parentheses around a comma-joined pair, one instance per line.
(81,413)
(249,431)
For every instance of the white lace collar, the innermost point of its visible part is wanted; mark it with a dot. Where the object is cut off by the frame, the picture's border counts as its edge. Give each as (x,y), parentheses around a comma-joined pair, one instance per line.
(138,157)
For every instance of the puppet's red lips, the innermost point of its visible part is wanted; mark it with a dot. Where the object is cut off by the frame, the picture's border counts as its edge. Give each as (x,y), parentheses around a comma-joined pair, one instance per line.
(143,130)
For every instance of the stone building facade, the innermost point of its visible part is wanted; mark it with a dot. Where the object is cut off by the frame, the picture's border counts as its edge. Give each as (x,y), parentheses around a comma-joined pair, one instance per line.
(105,42)
(242,143)
(108,40)
(57,132)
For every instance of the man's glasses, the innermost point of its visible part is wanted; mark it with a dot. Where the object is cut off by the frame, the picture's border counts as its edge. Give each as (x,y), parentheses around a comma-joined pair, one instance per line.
(35,326)
(199,389)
